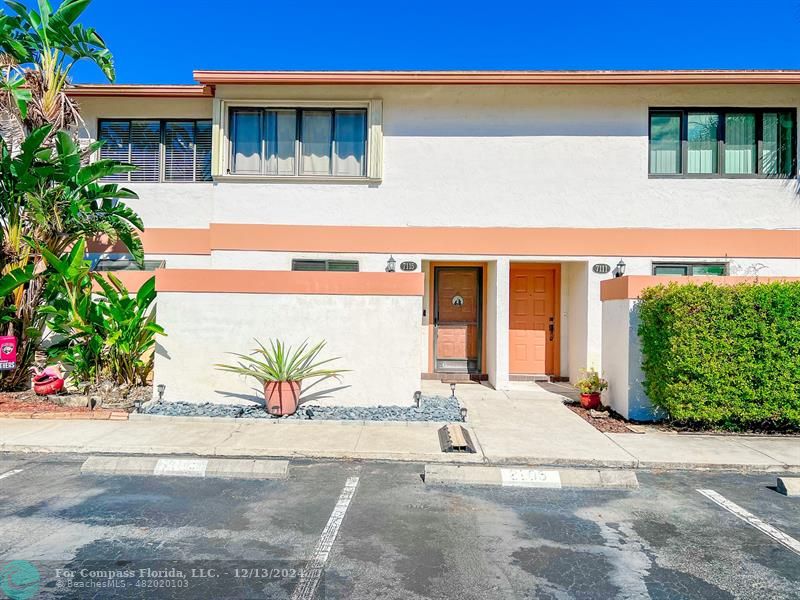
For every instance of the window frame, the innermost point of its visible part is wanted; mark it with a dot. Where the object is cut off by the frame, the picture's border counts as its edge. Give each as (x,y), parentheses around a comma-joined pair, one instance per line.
(162,154)
(326,262)
(722,111)
(222,162)
(690,268)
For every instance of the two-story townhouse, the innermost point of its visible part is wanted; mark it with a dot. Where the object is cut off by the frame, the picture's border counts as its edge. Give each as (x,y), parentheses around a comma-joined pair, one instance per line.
(431,224)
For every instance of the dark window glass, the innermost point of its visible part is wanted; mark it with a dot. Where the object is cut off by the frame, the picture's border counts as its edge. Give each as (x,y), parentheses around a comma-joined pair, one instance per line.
(670,270)
(730,142)
(695,269)
(778,147)
(126,264)
(145,150)
(703,142)
(741,153)
(116,138)
(324,265)
(202,159)
(708,270)
(665,143)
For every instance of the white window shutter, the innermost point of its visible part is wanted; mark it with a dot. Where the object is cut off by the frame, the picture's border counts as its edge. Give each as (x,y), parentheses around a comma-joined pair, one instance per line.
(375,143)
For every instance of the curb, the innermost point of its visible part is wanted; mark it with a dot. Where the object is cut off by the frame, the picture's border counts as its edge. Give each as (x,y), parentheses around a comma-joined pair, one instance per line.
(109,415)
(530,478)
(288,422)
(789,486)
(230,468)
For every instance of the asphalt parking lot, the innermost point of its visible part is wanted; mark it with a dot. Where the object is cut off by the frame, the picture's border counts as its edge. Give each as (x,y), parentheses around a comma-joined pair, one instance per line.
(389,536)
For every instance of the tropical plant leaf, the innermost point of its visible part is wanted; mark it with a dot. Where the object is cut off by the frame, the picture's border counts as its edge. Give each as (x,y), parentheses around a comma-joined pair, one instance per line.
(15,278)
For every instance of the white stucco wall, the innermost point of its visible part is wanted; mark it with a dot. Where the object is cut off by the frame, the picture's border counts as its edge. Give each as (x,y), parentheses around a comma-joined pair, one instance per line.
(622,362)
(576,276)
(515,156)
(375,336)
(497,315)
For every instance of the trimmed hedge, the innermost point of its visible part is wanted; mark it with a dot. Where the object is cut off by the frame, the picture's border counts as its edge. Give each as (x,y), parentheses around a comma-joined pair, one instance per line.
(723,356)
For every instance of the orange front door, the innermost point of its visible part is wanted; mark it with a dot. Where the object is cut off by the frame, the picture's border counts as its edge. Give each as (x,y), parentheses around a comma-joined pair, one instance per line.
(457,319)
(532,320)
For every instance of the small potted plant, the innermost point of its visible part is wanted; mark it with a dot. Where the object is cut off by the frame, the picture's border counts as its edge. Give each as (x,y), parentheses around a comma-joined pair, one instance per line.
(590,386)
(281,369)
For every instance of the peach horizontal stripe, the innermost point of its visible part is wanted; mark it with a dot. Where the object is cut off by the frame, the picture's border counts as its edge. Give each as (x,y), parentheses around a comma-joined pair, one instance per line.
(630,287)
(289,282)
(742,243)
(161,241)
(497,77)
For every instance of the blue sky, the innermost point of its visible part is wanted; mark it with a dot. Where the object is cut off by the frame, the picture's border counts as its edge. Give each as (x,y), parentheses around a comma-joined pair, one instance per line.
(162,41)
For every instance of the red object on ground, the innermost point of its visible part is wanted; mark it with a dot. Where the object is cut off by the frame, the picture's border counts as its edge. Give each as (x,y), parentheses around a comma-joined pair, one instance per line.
(46,383)
(590,401)
(282,397)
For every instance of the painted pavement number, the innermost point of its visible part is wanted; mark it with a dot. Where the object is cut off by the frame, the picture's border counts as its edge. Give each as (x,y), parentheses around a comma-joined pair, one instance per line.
(181,467)
(530,478)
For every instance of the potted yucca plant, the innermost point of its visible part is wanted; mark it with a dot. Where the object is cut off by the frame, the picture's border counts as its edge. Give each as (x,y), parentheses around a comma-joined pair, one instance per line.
(281,369)
(591,386)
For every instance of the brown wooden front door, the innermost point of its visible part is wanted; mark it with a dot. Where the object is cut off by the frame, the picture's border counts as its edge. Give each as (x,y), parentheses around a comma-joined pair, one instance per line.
(457,319)
(532,320)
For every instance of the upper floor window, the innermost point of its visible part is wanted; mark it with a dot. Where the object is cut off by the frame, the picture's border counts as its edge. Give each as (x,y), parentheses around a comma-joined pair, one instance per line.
(734,142)
(175,150)
(316,142)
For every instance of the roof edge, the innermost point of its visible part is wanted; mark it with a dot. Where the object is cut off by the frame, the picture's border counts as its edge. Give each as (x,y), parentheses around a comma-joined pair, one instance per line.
(498,77)
(142,91)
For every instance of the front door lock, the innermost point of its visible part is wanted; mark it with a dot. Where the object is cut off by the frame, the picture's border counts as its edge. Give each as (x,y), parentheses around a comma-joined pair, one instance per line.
(552,327)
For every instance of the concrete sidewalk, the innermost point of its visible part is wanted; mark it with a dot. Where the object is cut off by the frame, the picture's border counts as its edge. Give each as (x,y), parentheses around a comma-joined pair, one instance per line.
(525,426)
(530,425)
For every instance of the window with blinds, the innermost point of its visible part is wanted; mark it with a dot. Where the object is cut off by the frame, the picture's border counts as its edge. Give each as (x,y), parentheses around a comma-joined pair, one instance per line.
(173,151)
(324,265)
(730,142)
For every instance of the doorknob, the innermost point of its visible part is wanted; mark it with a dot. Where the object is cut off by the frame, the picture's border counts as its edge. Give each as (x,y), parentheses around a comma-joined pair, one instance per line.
(552,328)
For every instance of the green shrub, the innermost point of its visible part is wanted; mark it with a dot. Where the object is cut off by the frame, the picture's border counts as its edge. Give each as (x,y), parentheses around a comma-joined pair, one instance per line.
(104,333)
(723,356)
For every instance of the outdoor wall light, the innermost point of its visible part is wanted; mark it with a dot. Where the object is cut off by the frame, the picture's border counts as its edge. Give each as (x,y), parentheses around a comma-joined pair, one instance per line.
(161,387)
(452,390)
(620,270)
(390,264)
(417,397)
(463,415)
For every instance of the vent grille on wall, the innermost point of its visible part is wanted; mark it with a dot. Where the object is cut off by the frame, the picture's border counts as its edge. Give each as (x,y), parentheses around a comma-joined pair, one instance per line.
(325,265)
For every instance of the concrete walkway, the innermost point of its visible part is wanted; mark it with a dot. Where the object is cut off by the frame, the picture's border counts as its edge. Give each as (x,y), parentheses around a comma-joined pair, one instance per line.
(534,427)
(525,426)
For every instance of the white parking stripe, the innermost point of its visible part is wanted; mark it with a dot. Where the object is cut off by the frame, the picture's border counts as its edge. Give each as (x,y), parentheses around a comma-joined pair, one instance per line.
(10,473)
(751,519)
(309,580)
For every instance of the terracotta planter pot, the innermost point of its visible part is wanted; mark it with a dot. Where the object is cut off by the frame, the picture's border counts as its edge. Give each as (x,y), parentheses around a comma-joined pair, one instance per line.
(282,397)
(590,401)
(45,384)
